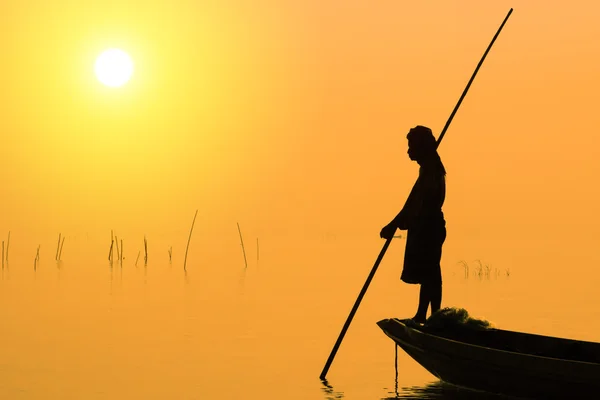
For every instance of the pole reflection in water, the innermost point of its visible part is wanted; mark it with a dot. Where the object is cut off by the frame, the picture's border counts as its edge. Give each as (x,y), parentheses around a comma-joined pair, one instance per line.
(330,392)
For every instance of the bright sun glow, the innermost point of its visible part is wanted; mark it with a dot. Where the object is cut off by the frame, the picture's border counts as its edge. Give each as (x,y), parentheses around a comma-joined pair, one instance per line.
(114,67)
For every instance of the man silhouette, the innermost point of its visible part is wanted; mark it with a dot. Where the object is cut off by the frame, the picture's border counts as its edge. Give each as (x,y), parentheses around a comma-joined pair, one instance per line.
(423,218)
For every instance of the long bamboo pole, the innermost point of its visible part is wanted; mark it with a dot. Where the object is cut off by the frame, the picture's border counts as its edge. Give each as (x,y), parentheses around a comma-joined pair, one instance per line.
(388,241)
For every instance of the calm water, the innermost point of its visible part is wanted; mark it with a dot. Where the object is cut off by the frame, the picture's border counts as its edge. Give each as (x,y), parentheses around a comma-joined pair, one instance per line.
(81,329)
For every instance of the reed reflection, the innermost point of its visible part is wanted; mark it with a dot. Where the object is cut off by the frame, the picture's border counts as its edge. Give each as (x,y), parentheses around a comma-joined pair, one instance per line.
(242,281)
(186,277)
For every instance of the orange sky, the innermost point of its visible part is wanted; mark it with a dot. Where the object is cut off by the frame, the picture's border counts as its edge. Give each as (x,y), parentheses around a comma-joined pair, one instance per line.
(290,117)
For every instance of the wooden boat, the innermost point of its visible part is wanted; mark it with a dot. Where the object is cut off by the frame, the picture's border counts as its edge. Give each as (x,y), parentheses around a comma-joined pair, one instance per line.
(500,361)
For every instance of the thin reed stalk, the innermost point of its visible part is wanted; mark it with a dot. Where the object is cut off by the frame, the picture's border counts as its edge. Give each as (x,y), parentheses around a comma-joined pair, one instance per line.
(188,242)
(242,241)
(57,248)
(112,241)
(37,259)
(61,247)
(145,251)
(7,246)
(189,239)
(121,257)
(137,258)
(170,253)
(117,245)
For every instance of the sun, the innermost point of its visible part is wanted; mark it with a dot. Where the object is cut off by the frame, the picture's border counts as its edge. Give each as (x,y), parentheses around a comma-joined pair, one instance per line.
(114,67)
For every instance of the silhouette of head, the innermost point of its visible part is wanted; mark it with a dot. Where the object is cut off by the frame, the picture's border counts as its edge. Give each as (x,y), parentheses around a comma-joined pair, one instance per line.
(421,143)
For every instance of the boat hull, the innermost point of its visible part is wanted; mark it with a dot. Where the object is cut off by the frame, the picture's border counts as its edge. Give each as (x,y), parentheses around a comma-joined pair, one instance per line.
(492,369)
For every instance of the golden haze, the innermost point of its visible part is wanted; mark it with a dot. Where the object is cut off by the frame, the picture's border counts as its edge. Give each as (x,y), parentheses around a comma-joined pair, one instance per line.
(291,119)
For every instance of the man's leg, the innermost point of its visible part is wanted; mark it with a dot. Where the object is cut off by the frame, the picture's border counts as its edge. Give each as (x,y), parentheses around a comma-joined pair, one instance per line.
(424,300)
(435,290)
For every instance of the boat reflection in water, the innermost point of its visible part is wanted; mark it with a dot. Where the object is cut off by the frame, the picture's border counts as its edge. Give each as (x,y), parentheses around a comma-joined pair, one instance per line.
(441,390)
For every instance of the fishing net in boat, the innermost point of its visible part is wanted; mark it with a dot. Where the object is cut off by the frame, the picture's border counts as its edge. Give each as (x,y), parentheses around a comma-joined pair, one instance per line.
(454,317)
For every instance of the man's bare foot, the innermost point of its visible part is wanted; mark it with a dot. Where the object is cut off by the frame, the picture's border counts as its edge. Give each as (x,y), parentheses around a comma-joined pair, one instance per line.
(418,319)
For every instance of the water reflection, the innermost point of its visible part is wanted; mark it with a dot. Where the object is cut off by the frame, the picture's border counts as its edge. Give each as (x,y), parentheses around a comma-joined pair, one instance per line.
(186,277)
(330,392)
(440,390)
(435,390)
(242,281)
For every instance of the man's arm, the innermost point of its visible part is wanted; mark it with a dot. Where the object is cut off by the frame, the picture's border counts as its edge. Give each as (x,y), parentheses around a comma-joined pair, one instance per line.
(411,209)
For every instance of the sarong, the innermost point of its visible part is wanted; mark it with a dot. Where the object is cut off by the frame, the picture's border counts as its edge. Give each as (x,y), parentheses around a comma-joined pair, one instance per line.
(424,251)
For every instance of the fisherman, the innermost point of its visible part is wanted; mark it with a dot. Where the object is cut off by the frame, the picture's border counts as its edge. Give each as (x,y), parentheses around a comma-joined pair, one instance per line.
(423,218)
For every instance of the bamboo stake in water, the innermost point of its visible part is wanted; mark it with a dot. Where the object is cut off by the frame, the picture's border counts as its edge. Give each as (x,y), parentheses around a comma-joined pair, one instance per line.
(61,247)
(188,243)
(388,241)
(242,242)
(57,248)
